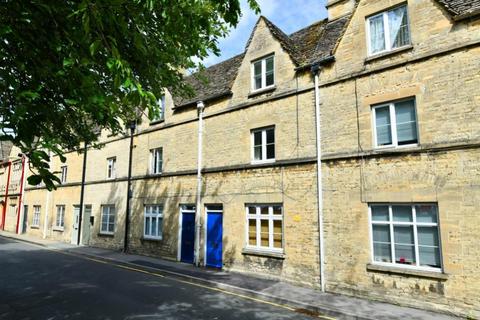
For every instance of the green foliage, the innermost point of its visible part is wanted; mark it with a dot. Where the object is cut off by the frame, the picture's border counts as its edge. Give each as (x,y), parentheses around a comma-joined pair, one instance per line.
(69,68)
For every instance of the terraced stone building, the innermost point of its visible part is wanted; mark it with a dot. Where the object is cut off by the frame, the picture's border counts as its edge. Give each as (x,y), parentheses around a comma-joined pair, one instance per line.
(230,179)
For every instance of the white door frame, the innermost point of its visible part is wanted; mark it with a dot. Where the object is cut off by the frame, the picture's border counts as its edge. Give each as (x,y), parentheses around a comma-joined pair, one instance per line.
(180,216)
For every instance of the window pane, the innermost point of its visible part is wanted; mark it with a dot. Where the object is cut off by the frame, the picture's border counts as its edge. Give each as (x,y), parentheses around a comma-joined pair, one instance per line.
(147,226)
(429,256)
(403,234)
(154,226)
(427,236)
(257,153)
(377,34)
(426,213)
(271,151)
(381,233)
(277,240)
(258,82)
(264,233)
(406,122)
(382,123)
(252,210)
(277,210)
(381,252)
(104,225)
(404,254)
(252,232)
(380,213)
(269,62)
(264,210)
(270,136)
(257,138)
(277,226)
(111,218)
(402,213)
(269,79)
(257,68)
(398,25)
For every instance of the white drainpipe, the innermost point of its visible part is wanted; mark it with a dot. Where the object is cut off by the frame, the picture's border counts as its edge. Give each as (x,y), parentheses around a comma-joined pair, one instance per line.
(198,227)
(316,72)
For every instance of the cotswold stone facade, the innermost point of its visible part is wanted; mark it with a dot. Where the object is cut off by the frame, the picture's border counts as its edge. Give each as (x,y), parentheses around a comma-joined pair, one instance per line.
(399,152)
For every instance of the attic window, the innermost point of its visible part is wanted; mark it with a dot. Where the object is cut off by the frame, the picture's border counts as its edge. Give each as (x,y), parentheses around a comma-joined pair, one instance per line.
(263,75)
(388,30)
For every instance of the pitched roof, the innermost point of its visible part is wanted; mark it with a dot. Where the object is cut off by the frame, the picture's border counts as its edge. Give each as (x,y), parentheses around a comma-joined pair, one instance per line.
(213,82)
(305,47)
(461,8)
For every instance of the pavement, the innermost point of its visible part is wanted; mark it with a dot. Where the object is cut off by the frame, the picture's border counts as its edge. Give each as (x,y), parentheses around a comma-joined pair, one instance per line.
(304,301)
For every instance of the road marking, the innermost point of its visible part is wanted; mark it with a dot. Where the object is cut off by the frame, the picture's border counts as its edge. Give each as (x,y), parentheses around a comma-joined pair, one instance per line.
(113,263)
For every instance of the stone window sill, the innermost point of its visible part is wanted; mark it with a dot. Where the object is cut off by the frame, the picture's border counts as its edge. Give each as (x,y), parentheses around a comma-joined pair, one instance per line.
(261,91)
(389,53)
(147,239)
(106,235)
(59,229)
(407,272)
(34,227)
(155,122)
(261,253)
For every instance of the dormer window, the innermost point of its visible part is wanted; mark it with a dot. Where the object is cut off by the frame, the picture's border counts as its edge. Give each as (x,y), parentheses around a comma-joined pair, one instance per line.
(388,30)
(160,110)
(263,74)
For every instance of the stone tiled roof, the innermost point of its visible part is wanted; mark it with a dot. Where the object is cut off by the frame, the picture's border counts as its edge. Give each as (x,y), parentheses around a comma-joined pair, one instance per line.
(213,82)
(461,8)
(305,47)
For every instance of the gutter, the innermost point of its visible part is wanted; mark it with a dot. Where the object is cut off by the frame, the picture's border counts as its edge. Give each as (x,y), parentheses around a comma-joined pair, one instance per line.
(316,72)
(328,59)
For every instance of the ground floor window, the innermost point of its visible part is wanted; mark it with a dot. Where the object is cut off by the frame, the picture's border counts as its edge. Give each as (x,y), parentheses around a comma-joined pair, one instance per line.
(36,216)
(153,221)
(406,235)
(265,227)
(60,217)
(108,219)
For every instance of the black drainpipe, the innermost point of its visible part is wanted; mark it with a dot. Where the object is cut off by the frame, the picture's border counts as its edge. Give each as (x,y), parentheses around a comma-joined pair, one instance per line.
(82,192)
(129,191)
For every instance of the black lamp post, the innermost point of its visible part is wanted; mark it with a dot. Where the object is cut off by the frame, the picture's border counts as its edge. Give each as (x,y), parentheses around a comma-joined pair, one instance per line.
(129,185)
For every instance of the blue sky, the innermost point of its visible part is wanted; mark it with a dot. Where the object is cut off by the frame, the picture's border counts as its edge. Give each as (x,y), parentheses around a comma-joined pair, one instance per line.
(288,15)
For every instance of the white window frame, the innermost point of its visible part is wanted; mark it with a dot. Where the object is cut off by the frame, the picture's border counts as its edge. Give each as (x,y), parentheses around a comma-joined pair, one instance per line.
(162,104)
(155,213)
(63,177)
(264,145)
(393,124)
(258,217)
(263,73)
(109,207)
(36,216)
(60,217)
(414,224)
(156,166)
(111,163)
(386,25)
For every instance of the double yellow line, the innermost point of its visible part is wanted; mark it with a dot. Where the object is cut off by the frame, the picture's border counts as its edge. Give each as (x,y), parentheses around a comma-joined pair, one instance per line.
(121,266)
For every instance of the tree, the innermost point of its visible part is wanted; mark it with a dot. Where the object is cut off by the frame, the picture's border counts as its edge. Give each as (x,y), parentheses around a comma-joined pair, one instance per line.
(69,67)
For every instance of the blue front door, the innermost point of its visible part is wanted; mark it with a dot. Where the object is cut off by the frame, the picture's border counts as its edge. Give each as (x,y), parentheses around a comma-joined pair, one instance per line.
(188,236)
(214,239)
